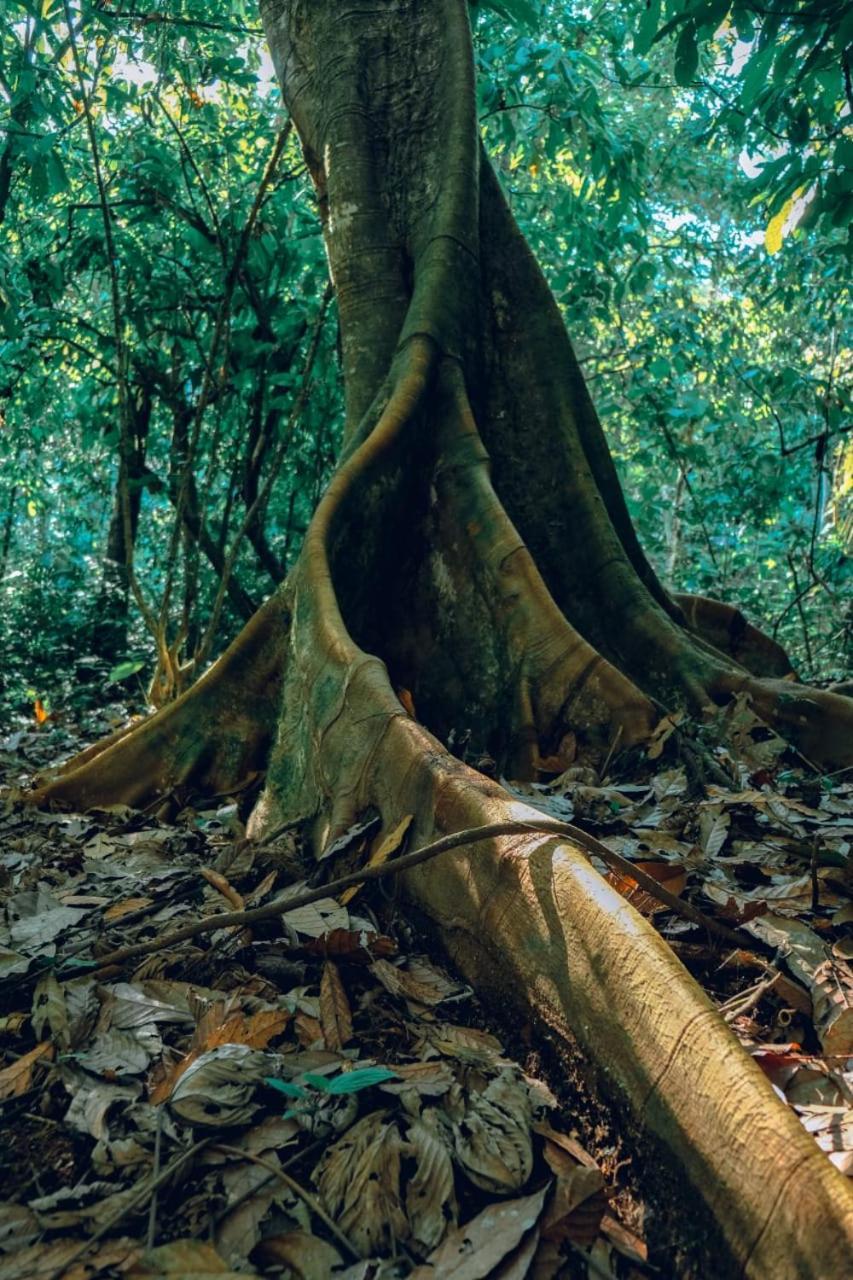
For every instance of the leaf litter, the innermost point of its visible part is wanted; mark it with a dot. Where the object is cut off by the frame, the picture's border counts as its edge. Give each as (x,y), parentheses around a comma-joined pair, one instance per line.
(316,1096)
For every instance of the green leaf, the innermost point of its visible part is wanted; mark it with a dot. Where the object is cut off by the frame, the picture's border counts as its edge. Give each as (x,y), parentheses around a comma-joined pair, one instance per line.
(686,55)
(518,12)
(285,1086)
(123,670)
(363,1078)
(646,28)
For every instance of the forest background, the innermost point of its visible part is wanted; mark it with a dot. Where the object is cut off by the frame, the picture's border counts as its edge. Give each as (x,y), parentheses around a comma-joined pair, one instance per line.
(682,171)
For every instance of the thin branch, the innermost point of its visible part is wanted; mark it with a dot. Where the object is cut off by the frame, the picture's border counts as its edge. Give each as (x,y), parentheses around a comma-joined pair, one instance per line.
(544,826)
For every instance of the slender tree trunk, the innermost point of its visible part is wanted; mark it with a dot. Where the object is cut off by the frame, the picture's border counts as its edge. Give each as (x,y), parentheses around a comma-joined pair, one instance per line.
(474,548)
(109,636)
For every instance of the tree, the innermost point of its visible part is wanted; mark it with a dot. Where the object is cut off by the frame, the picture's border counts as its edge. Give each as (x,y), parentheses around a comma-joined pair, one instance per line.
(471,590)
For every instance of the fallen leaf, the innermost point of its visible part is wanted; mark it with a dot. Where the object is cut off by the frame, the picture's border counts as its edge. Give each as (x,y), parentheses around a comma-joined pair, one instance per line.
(359,1180)
(475,1251)
(187,1259)
(303,1255)
(335,1015)
(380,852)
(670,875)
(17,1078)
(223,886)
(119,909)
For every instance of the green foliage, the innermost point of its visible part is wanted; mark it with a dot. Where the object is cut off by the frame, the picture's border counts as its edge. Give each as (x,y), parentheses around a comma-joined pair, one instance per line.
(717,355)
(681,168)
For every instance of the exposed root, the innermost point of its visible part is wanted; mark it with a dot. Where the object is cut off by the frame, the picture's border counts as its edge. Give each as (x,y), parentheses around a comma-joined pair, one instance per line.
(727,630)
(210,740)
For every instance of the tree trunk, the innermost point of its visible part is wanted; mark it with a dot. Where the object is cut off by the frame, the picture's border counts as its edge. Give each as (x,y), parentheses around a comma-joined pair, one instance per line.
(109,635)
(474,549)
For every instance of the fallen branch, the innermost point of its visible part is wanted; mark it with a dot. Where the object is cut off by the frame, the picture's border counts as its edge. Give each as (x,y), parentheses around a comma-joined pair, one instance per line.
(283,904)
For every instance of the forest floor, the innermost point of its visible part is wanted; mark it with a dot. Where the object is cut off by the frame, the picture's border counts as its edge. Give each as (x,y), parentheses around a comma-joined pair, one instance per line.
(320,1095)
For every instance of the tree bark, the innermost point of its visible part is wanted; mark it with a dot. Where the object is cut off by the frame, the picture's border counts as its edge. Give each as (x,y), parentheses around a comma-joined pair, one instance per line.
(474,549)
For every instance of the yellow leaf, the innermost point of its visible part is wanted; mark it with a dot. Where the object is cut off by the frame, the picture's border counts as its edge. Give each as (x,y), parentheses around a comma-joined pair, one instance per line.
(381,852)
(773,234)
(16,1079)
(32,509)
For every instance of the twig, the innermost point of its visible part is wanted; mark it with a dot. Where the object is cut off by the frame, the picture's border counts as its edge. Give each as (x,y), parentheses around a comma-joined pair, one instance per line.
(472,835)
(145,1187)
(310,1199)
(152,1212)
(253,1191)
(746,1001)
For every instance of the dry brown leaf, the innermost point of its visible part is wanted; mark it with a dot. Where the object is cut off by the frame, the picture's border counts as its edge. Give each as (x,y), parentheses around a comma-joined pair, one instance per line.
(17,1078)
(255,1030)
(119,909)
(476,1251)
(491,1132)
(44,1260)
(309,1031)
(380,851)
(354,945)
(219,882)
(670,875)
(49,1011)
(429,1198)
(335,1015)
(420,982)
(576,1207)
(304,1256)
(182,1258)
(359,1180)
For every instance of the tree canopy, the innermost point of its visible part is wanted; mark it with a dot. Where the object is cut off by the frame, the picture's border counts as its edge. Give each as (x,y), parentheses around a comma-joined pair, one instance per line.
(682,170)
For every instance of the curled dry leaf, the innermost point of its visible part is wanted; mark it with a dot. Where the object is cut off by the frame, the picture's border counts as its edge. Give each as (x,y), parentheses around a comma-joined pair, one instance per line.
(217,1028)
(217,1089)
(218,881)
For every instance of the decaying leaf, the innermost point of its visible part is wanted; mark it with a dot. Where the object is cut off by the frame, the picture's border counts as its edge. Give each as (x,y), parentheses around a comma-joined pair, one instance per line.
(475,1251)
(359,1180)
(491,1132)
(420,981)
(317,918)
(429,1197)
(50,1012)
